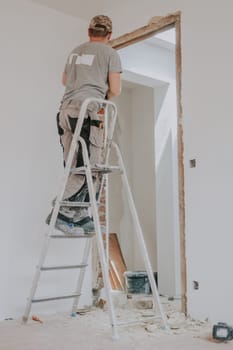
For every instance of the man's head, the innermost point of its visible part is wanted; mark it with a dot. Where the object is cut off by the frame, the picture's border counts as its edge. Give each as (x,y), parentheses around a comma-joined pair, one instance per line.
(100,27)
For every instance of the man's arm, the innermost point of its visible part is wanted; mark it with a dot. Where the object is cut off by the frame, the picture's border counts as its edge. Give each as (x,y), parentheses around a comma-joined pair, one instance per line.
(114,85)
(64,78)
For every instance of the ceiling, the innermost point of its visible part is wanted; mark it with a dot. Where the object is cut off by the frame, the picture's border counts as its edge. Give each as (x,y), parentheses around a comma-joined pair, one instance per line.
(84,9)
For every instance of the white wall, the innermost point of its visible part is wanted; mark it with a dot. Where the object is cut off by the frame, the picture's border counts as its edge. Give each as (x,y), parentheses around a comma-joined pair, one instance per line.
(141,58)
(120,221)
(207,76)
(207,57)
(143,170)
(136,141)
(153,159)
(167,206)
(35,43)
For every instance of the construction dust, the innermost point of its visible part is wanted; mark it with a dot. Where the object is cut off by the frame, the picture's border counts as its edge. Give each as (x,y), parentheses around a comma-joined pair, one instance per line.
(90,329)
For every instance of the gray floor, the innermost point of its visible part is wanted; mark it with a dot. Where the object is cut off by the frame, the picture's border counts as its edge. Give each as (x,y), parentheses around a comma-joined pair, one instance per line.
(91,331)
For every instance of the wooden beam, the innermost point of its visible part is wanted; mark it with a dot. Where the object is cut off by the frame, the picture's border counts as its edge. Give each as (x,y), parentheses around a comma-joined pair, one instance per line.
(118,264)
(157,25)
(181,167)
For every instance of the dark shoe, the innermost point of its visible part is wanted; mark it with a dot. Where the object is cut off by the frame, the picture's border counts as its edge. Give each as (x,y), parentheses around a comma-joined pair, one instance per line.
(65,226)
(68,228)
(86,224)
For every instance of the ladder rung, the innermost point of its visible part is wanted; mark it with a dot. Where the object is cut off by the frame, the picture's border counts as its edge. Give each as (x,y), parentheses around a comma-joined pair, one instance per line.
(103,169)
(84,235)
(75,204)
(63,267)
(38,300)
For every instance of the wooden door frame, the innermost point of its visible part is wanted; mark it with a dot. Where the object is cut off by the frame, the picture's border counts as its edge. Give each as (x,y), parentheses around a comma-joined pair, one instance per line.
(156,25)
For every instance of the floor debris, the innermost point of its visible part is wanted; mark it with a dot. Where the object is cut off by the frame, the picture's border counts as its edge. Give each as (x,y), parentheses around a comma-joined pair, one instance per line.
(92,331)
(36,318)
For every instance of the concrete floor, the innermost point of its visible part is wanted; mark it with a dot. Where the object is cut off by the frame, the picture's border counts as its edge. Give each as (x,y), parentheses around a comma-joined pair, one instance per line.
(91,331)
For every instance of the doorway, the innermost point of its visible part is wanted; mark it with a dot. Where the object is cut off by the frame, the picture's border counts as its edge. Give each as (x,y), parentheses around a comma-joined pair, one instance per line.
(159,25)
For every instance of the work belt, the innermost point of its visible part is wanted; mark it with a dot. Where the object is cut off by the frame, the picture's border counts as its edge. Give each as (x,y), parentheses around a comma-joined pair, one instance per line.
(97,123)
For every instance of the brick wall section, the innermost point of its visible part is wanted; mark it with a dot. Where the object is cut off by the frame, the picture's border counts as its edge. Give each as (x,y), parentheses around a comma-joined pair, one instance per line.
(102,207)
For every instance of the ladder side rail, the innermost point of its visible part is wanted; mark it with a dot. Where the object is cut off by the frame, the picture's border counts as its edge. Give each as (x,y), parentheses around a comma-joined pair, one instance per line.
(105,143)
(108,136)
(107,218)
(100,244)
(81,276)
(55,210)
(74,145)
(109,126)
(105,181)
(36,278)
(106,126)
(140,237)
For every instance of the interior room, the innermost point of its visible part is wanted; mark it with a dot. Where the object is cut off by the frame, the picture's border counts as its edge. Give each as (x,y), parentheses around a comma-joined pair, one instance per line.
(174,131)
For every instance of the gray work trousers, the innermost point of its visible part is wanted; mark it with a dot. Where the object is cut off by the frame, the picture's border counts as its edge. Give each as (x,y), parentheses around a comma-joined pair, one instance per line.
(67,120)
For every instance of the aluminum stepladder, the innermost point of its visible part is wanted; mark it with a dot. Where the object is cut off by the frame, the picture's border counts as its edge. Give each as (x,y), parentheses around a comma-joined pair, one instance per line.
(88,170)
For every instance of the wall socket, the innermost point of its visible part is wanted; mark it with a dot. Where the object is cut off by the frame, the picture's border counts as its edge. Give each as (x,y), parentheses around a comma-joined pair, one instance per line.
(192,163)
(195,285)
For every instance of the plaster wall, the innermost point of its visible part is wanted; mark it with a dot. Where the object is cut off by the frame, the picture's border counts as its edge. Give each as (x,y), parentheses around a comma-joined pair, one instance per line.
(120,221)
(143,171)
(35,43)
(207,108)
(138,157)
(153,161)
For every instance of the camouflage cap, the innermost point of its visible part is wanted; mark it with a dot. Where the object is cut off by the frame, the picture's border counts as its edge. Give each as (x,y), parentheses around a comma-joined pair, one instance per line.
(101,23)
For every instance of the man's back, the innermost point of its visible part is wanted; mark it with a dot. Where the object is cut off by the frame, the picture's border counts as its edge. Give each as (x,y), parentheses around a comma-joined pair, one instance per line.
(87,70)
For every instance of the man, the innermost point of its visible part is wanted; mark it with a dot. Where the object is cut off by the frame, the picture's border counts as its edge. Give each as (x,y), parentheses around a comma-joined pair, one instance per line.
(92,70)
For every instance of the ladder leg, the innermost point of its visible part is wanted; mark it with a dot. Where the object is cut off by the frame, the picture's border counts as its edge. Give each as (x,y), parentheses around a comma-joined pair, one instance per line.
(104,265)
(104,185)
(109,127)
(86,255)
(140,238)
(107,219)
(36,279)
(54,214)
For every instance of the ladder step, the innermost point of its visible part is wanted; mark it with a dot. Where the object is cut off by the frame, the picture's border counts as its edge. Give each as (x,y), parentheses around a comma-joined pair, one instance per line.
(84,235)
(103,169)
(63,267)
(75,204)
(38,300)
